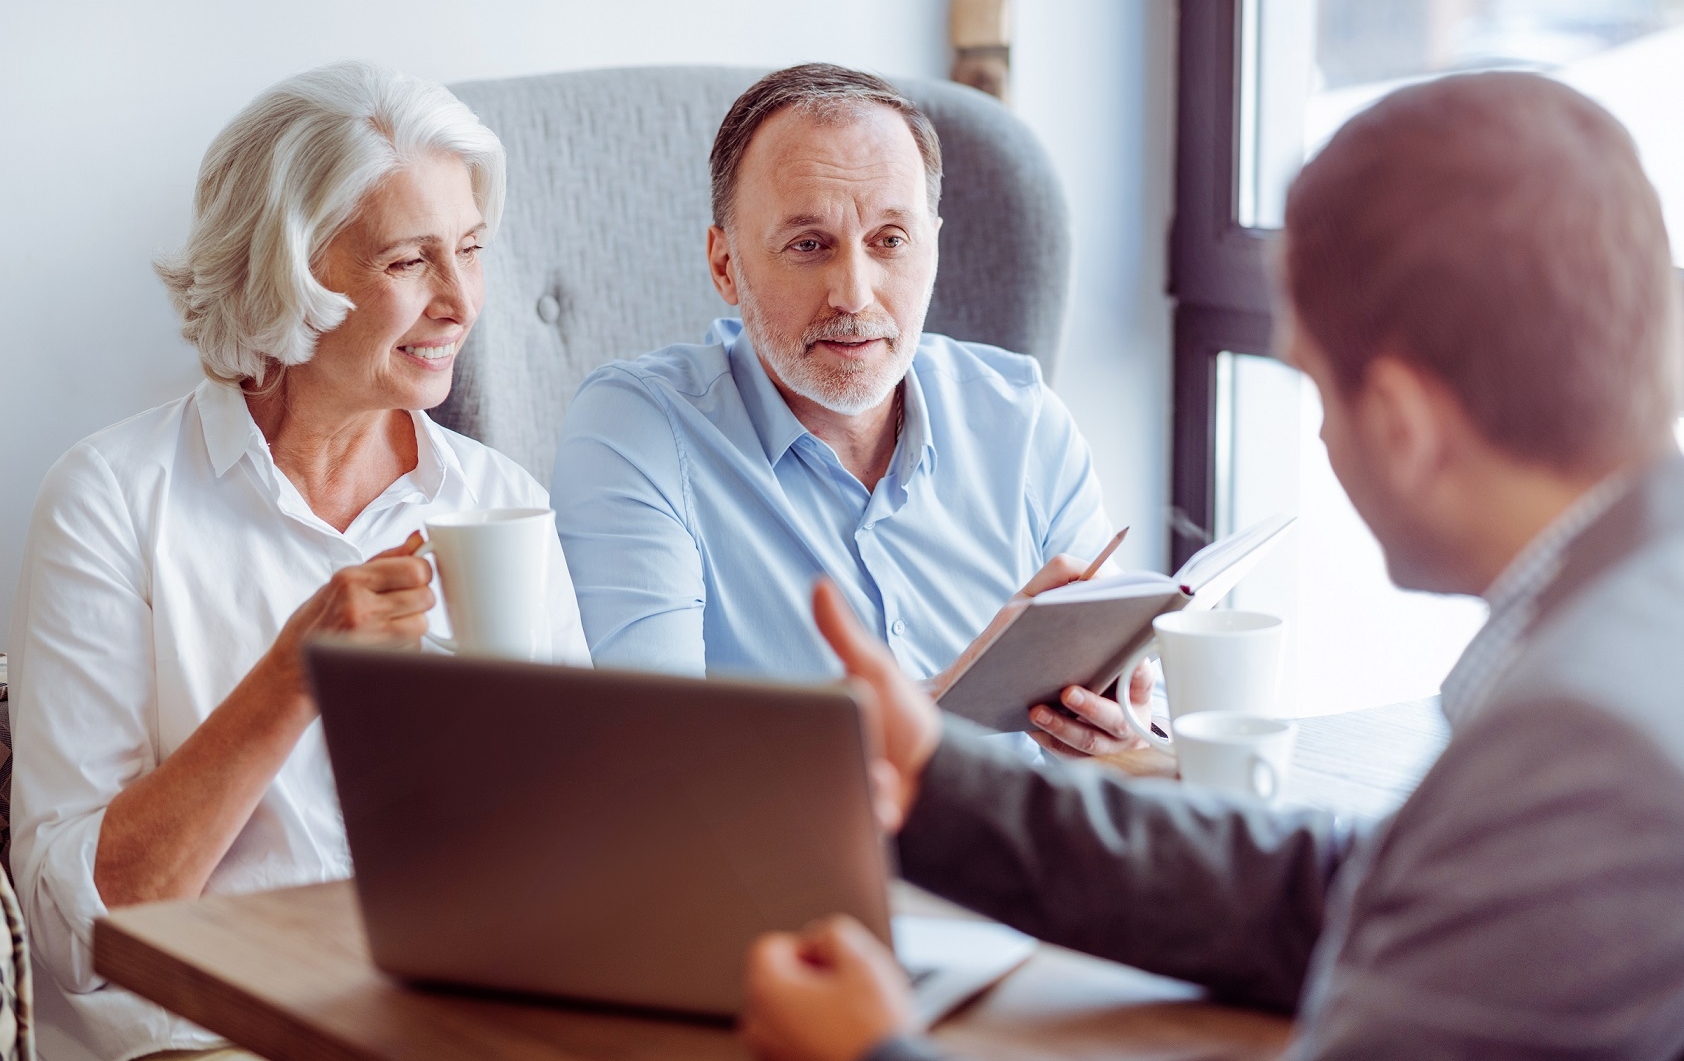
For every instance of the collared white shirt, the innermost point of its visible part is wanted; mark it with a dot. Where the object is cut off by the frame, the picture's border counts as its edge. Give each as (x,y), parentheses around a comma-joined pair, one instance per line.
(1513,600)
(164,556)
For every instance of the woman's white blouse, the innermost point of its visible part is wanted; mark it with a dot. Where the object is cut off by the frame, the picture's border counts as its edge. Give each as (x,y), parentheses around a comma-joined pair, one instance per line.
(164,556)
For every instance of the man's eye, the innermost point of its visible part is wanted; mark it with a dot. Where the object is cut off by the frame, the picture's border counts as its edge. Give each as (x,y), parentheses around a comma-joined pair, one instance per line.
(805,246)
(894,242)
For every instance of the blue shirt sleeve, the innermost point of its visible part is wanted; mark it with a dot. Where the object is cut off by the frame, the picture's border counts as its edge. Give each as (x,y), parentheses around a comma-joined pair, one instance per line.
(620,496)
(1064,486)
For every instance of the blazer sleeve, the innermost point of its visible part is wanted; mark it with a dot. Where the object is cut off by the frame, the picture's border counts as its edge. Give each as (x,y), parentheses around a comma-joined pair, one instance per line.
(1527,902)
(1175,881)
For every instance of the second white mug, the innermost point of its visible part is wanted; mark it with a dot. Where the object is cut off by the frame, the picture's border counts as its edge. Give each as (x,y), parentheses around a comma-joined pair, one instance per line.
(493,567)
(1233,752)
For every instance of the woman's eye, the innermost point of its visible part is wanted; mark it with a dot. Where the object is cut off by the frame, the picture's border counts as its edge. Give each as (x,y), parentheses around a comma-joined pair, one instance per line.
(407,265)
(469,252)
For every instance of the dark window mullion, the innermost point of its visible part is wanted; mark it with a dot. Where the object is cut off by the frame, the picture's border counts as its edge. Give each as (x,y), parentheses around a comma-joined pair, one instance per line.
(1217,267)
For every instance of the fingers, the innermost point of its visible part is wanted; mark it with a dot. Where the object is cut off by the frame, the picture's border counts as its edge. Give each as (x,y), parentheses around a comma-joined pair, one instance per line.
(1141,682)
(861,654)
(1103,714)
(1076,736)
(899,719)
(888,799)
(773,956)
(410,544)
(386,598)
(827,993)
(841,943)
(401,603)
(1060,570)
(1098,728)
(385,573)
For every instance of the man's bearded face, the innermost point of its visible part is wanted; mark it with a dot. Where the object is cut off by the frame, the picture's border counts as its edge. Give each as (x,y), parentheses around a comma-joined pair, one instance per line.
(863,356)
(831,253)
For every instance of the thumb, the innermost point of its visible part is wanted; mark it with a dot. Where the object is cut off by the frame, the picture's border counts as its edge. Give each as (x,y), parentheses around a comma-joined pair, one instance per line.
(860,653)
(410,544)
(835,942)
(888,799)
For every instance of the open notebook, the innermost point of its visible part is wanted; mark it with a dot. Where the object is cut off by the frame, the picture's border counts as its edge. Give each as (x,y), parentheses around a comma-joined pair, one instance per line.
(1086,633)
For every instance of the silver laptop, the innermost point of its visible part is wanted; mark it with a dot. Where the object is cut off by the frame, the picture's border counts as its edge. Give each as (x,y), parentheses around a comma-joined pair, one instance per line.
(610,836)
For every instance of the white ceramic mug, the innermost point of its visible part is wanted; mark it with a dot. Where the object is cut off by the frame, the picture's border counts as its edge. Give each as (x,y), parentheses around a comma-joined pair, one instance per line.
(1215,661)
(1235,752)
(493,567)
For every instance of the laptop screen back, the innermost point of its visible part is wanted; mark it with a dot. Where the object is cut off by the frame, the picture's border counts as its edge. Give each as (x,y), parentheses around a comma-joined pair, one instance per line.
(609,836)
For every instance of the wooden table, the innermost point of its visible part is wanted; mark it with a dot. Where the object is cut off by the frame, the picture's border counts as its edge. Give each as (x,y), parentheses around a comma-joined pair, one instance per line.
(287,973)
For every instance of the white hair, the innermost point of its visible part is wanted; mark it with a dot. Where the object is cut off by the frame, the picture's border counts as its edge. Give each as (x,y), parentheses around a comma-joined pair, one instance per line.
(276,186)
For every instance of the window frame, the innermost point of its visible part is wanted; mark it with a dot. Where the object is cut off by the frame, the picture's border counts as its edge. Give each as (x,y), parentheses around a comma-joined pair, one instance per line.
(1218,272)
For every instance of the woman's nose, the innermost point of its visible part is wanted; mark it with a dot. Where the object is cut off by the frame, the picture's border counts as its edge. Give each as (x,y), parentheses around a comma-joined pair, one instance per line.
(456,295)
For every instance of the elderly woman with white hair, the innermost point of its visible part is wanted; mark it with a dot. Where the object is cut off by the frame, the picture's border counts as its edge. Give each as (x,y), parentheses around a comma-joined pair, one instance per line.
(166,742)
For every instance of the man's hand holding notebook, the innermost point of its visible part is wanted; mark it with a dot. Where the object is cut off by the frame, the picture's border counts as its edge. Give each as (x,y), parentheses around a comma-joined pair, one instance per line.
(1060,632)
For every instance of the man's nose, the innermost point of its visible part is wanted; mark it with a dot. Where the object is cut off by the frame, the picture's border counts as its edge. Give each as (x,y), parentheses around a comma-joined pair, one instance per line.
(850,282)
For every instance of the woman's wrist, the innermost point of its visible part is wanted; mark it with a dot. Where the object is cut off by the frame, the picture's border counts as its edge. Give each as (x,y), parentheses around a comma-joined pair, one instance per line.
(278,682)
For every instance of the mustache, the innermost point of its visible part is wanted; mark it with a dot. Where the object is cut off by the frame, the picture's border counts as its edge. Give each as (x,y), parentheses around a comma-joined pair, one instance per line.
(851,327)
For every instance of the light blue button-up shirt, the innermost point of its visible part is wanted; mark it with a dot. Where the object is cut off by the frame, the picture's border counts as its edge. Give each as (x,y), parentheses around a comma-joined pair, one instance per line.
(696,510)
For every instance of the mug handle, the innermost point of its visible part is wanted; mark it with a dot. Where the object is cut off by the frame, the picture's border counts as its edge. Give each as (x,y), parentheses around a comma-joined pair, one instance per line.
(448,644)
(1265,780)
(1163,744)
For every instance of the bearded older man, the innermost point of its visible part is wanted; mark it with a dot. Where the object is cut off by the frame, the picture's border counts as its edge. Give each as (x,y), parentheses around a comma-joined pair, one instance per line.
(700,489)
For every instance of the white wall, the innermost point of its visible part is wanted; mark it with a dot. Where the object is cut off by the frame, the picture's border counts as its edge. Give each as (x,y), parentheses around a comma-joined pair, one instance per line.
(106,108)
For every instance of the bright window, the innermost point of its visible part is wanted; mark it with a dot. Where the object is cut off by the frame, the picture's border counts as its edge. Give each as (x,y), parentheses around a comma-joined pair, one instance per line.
(1264,84)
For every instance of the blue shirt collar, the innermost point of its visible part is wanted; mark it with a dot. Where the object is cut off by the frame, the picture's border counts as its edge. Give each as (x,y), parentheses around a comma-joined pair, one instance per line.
(778,428)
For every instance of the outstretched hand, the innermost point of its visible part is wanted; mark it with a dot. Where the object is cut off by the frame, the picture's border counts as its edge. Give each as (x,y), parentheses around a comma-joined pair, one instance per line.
(902,722)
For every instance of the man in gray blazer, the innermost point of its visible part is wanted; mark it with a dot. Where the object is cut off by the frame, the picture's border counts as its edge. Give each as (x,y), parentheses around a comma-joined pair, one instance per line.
(1478,280)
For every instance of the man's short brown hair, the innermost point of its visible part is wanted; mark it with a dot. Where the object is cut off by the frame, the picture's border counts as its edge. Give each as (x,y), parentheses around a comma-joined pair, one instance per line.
(828,93)
(1498,230)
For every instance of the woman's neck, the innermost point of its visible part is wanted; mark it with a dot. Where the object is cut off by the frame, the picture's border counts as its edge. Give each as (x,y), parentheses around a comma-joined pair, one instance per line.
(340,459)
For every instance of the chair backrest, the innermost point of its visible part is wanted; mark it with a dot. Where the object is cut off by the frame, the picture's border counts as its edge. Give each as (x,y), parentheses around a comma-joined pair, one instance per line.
(601,254)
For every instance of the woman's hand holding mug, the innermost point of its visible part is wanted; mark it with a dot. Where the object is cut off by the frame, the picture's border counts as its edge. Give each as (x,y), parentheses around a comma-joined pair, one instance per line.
(383,600)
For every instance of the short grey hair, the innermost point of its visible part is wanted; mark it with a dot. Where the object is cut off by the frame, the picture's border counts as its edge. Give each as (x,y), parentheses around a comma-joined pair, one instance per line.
(828,93)
(283,179)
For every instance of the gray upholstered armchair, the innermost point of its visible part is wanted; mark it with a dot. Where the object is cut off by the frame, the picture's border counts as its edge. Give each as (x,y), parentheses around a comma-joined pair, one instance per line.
(602,249)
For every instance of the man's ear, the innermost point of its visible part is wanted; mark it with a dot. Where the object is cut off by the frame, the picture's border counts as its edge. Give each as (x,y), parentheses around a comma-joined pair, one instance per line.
(719,265)
(1410,419)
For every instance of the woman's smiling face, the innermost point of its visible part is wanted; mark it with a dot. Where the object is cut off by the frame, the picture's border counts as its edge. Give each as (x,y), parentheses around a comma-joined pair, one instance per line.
(409,263)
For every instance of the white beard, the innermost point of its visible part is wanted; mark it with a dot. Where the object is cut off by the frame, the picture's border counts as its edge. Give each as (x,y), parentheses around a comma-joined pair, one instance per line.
(849,388)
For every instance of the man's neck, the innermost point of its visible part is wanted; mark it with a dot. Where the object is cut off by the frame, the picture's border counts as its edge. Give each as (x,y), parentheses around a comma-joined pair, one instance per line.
(1506,513)
(864,442)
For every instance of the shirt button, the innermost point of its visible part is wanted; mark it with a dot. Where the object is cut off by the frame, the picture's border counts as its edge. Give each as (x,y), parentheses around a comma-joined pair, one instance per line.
(898,628)
(872,525)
